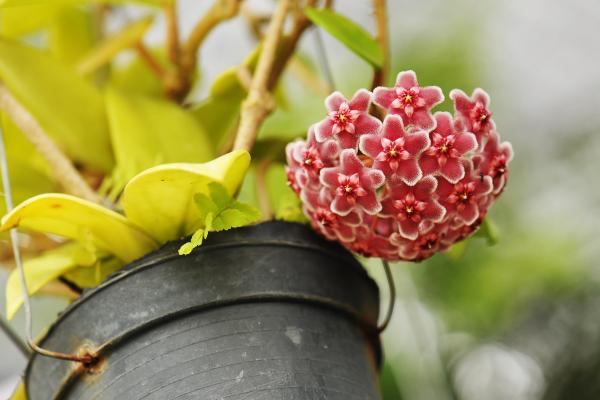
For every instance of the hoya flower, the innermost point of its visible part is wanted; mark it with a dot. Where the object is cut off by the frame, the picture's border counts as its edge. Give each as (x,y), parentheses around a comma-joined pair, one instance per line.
(353,185)
(395,151)
(474,110)
(409,100)
(449,143)
(396,191)
(493,161)
(414,207)
(462,198)
(347,120)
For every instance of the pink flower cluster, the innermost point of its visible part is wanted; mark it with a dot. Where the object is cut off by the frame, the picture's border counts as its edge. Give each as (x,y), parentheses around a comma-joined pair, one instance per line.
(405,188)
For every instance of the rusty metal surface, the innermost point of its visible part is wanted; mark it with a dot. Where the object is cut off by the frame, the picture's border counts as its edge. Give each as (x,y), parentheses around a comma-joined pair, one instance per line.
(276,274)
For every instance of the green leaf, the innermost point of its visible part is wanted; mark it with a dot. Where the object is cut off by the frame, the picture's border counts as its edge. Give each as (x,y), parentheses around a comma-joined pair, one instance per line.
(148,131)
(71,34)
(44,269)
(161,199)
(236,217)
(69,108)
(219,195)
(349,33)
(104,52)
(19,393)
(11,3)
(205,205)
(89,223)
(219,115)
(284,201)
(194,242)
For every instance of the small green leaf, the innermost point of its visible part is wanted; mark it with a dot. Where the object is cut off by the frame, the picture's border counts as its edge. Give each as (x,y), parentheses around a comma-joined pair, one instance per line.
(71,34)
(160,199)
(205,205)
(236,217)
(135,76)
(219,195)
(196,240)
(349,33)
(42,270)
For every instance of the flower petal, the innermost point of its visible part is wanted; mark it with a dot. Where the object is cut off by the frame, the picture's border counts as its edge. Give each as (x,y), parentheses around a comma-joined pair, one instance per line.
(384,96)
(453,170)
(361,100)
(334,101)
(416,142)
(367,124)
(409,171)
(407,79)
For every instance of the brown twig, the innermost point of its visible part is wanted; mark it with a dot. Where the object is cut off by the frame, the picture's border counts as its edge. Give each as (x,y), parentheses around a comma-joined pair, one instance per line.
(150,60)
(220,11)
(63,170)
(381,18)
(259,102)
(173,49)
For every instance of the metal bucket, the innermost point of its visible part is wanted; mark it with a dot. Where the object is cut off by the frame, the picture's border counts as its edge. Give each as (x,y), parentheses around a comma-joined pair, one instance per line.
(271,311)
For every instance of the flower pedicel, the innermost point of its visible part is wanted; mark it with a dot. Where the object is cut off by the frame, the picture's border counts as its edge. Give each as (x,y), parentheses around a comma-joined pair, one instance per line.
(405,188)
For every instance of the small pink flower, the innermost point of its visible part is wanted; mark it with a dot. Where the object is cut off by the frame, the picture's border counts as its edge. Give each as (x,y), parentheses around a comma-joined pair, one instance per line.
(493,161)
(449,143)
(463,197)
(409,100)
(414,207)
(354,185)
(474,111)
(333,226)
(347,121)
(395,151)
(291,180)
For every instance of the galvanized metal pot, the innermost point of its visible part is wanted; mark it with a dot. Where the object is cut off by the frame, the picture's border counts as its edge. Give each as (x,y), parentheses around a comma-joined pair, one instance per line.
(271,311)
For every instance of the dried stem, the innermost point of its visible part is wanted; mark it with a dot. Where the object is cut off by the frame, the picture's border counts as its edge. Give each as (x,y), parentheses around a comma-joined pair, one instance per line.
(383,38)
(220,11)
(173,49)
(62,168)
(259,102)
(149,59)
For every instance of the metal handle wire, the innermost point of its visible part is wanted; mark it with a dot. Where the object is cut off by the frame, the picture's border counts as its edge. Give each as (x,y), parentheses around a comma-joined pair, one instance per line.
(14,237)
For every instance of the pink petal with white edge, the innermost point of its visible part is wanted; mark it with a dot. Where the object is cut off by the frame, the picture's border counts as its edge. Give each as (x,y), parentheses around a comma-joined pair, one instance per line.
(369,203)
(409,171)
(393,127)
(462,103)
(416,142)
(370,145)
(434,212)
(341,206)
(425,187)
(384,97)
(324,130)
(465,142)
(429,165)
(350,162)
(453,170)
(423,119)
(361,100)
(444,123)
(347,140)
(334,101)
(367,124)
(409,229)
(407,79)
(469,214)
(376,178)
(329,177)
(433,95)
(481,96)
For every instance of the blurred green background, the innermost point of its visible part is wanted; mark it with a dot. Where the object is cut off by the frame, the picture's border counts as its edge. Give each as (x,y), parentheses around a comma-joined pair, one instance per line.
(516,320)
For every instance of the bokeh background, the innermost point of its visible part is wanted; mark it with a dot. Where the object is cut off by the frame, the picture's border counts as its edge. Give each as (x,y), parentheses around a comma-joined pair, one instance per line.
(517,320)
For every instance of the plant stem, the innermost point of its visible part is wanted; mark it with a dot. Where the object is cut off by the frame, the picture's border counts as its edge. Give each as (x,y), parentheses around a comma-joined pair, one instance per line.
(62,169)
(149,59)
(173,49)
(220,11)
(383,38)
(259,103)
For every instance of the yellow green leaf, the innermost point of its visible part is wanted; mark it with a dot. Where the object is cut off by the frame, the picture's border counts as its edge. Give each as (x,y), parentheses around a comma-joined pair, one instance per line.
(81,220)
(134,75)
(147,131)
(19,21)
(71,34)
(44,269)
(105,51)
(161,199)
(69,108)
(19,393)
(92,276)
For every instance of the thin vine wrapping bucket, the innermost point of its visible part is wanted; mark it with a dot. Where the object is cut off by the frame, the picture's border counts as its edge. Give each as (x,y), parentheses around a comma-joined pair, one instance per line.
(271,311)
